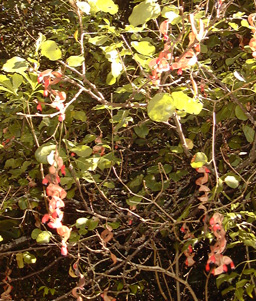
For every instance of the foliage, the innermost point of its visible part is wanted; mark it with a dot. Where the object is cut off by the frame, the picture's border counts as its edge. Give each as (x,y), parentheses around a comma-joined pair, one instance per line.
(127,150)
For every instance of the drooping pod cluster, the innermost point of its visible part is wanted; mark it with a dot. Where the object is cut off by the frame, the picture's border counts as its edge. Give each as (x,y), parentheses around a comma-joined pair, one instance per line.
(164,62)
(48,78)
(252,43)
(215,256)
(189,251)
(55,196)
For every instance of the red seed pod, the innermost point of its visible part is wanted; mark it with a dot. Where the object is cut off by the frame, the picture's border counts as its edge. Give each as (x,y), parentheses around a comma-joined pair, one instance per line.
(46,93)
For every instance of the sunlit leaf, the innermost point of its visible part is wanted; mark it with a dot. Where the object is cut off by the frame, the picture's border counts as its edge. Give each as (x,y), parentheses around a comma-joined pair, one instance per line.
(43,151)
(84,7)
(51,50)
(144,12)
(144,47)
(231,181)
(160,107)
(75,61)
(43,237)
(15,64)
(199,160)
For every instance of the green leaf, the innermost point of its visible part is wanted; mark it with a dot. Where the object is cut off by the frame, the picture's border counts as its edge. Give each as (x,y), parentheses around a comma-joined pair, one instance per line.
(93,223)
(141,130)
(82,222)
(43,151)
(17,80)
(84,7)
(99,40)
(233,25)
(79,115)
(43,237)
(239,293)
(144,12)
(87,164)
(185,103)
(231,181)
(249,133)
(19,259)
(35,233)
(199,160)
(249,290)
(75,60)
(116,68)
(15,64)
(51,50)
(245,23)
(29,258)
(172,13)
(160,107)
(114,225)
(5,82)
(144,47)
(107,6)
(82,150)
(240,114)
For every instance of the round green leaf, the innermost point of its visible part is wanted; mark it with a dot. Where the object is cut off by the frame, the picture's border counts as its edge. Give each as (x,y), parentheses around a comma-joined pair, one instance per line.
(144,47)
(185,103)
(199,160)
(43,151)
(44,237)
(231,181)
(82,150)
(82,222)
(15,64)
(51,50)
(75,60)
(35,233)
(160,107)
(144,12)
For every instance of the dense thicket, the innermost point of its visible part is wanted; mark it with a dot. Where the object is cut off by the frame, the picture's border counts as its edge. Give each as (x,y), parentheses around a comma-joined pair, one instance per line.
(127,156)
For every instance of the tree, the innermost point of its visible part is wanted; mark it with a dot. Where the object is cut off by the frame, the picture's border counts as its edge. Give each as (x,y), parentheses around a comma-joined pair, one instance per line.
(128,148)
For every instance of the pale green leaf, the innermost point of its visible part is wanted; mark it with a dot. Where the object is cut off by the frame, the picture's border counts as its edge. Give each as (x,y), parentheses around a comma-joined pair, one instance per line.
(19,259)
(185,103)
(29,258)
(233,25)
(75,60)
(43,151)
(44,237)
(116,68)
(5,84)
(199,160)
(144,12)
(84,7)
(231,181)
(160,107)
(107,6)
(51,50)
(144,47)
(15,64)
(99,40)
(17,80)
(82,150)
(82,222)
